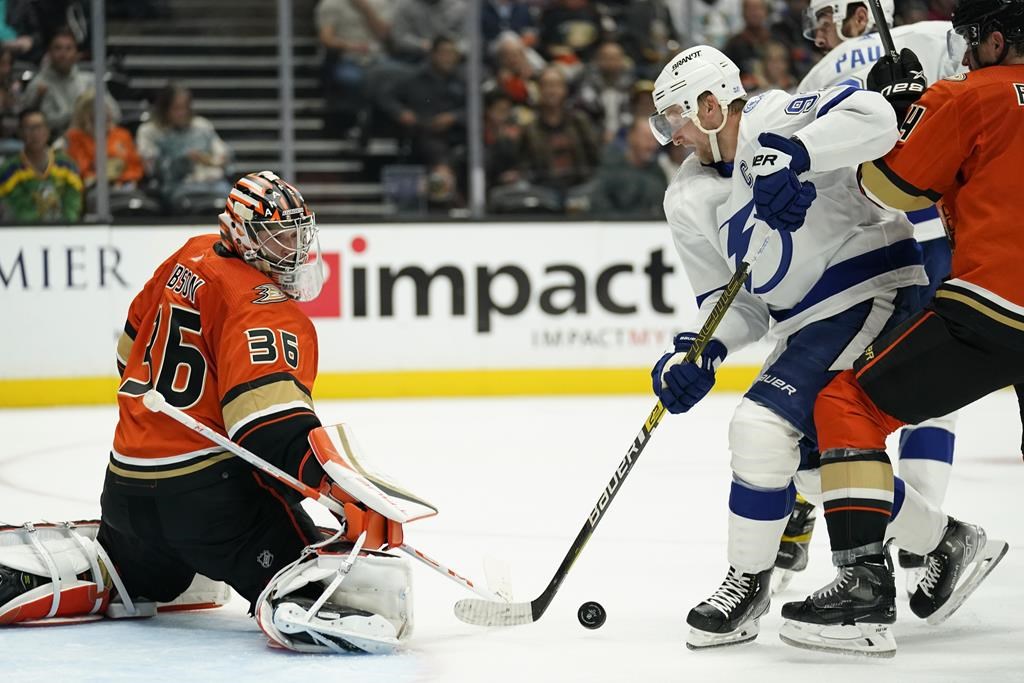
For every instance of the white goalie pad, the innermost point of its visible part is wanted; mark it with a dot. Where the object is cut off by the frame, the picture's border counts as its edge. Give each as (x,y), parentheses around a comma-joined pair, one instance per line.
(348,467)
(339,598)
(83,584)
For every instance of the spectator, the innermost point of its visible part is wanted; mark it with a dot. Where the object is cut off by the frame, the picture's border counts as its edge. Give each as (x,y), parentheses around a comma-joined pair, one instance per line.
(630,181)
(354,34)
(60,83)
(182,151)
(940,10)
(747,47)
(707,22)
(503,16)
(789,30)
(418,22)
(430,105)
(501,139)
(124,166)
(560,148)
(40,183)
(515,73)
(10,104)
(774,71)
(21,29)
(911,12)
(649,36)
(570,31)
(605,90)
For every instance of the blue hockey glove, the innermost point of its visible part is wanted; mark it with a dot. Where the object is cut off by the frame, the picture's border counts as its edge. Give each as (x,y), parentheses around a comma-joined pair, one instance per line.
(780,199)
(680,386)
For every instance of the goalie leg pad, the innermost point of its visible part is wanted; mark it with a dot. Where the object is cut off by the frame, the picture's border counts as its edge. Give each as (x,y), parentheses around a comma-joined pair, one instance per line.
(339,598)
(62,571)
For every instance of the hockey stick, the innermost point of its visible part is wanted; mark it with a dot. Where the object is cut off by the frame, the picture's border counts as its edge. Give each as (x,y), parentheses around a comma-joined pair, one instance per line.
(155,402)
(883,30)
(492,613)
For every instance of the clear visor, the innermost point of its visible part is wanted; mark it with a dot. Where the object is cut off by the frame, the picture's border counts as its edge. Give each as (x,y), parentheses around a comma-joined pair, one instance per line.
(287,251)
(668,123)
(818,20)
(959,39)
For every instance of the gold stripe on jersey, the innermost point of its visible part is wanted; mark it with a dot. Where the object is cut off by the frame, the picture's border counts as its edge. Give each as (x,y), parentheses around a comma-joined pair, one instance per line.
(263,400)
(124,348)
(152,473)
(883,185)
(989,311)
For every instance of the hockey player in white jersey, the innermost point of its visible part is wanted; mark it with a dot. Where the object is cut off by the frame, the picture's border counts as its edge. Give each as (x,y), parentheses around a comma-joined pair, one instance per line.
(779,163)
(846,30)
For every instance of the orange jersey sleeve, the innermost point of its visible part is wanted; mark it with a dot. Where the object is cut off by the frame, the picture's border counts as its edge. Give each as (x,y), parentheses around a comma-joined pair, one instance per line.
(218,340)
(961,144)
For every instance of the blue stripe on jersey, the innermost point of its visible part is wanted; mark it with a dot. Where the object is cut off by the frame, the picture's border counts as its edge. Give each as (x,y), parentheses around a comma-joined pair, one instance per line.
(705,295)
(922,215)
(927,443)
(899,493)
(853,271)
(827,107)
(765,505)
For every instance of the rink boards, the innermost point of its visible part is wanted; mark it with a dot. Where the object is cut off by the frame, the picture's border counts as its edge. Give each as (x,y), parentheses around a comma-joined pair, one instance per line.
(407,309)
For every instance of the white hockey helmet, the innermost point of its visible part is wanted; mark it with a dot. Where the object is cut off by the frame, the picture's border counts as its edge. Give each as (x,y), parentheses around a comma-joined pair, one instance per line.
(837,10)
(684,79)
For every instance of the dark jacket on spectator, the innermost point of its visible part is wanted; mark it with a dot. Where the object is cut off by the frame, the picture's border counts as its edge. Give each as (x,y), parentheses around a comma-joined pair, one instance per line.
(622,189)
(560,156)
(427,93)
(518,19)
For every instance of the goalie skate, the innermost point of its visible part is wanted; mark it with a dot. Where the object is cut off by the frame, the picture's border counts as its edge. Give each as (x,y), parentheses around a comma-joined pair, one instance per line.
(341,629)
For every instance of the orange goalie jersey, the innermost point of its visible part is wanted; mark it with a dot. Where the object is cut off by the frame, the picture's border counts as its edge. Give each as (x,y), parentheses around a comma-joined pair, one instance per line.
(221,342)
(962,142)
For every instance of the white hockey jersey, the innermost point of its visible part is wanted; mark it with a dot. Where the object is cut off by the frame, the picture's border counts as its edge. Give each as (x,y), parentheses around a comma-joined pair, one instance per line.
(848,250)
(850,62)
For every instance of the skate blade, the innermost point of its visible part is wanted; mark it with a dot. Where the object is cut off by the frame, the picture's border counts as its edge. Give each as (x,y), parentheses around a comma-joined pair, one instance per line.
(781,579)
(704,640)
(984,563)
(863,640)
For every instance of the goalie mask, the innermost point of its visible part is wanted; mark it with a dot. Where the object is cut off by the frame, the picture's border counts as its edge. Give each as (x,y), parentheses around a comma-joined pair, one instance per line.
(684,79)
(267,223)
(822,13)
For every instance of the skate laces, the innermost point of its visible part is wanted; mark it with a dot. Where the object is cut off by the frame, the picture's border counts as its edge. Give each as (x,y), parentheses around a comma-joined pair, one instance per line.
(731,592)
(931,575)
(839,582)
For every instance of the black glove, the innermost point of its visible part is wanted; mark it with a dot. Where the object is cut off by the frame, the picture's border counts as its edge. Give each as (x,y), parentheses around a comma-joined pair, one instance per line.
(901,83)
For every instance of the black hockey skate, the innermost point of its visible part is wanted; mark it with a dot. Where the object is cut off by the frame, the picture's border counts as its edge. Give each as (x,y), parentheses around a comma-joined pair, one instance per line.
(730,616)
(793,548)
(949,577)
(848,616)
(13,583)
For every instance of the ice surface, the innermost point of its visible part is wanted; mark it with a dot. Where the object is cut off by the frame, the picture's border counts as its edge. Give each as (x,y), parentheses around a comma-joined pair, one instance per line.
(517,478)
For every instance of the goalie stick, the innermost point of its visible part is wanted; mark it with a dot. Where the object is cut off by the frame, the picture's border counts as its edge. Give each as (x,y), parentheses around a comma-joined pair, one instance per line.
(492,613)
(155,402)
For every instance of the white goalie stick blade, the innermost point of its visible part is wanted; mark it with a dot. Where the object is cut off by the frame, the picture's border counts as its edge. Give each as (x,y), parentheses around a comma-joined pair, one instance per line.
(490,613)
(982,565)
(864,640)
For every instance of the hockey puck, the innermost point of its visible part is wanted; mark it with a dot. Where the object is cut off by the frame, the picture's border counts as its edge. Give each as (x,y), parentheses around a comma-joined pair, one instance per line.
(591,615)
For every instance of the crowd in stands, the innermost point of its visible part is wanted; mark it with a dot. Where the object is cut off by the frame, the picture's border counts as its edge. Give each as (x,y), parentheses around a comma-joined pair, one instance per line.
(174,163)
(566,95)
(566,92)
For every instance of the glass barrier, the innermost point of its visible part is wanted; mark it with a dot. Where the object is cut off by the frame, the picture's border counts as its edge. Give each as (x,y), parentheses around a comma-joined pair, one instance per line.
(374,109)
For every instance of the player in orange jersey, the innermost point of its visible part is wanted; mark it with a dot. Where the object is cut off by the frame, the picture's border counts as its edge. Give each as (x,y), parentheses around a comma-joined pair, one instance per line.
(217,332)
(960,146)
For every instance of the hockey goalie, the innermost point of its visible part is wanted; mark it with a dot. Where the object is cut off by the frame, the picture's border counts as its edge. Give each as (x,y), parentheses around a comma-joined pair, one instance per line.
(217,335)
